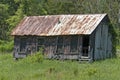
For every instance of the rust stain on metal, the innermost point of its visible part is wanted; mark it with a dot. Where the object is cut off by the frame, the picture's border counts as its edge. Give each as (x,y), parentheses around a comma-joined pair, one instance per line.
(58,25)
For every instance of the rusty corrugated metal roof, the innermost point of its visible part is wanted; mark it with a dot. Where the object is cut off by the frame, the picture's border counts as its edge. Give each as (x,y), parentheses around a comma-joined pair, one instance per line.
(51,25)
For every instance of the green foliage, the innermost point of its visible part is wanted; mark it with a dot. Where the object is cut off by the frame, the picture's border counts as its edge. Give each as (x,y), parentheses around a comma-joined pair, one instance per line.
(58,70)
(14,20)
(12,11)
(35,57)
(118,47)
(91,71)
(3,24)
(6,46)
(75,72)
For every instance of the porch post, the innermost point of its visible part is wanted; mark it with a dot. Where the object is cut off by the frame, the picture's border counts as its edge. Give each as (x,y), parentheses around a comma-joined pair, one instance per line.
(80,46)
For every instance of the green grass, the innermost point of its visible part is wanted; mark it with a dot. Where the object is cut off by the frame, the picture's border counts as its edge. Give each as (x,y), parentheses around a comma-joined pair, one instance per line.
(58,70)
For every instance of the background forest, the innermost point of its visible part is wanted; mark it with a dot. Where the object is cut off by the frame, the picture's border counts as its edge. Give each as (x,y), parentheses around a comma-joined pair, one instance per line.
(12,11)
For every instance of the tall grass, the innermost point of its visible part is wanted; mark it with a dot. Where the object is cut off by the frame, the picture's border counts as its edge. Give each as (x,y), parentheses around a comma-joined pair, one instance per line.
(58,70)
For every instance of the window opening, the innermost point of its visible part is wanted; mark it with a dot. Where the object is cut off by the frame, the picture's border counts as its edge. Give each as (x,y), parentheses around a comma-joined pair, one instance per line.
(73,44)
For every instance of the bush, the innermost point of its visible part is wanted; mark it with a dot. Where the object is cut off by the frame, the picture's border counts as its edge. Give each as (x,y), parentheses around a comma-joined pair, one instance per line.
(35,57)
(6,46)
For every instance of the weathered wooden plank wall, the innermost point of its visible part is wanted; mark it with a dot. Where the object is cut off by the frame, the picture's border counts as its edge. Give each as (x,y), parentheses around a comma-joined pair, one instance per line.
(50,46)
(103,44)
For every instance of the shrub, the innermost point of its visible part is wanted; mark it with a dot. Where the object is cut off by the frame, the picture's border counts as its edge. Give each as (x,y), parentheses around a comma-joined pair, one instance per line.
(6,46)
(35,57)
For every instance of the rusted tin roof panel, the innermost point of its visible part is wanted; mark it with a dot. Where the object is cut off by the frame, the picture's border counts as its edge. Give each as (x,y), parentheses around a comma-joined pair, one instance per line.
(58,25)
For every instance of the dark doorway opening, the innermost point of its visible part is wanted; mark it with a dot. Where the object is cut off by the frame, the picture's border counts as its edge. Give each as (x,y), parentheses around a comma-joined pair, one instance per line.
(85,46)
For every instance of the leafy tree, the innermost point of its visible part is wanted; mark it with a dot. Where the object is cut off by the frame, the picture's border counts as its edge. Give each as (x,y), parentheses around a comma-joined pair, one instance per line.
(3,24)
(12,11)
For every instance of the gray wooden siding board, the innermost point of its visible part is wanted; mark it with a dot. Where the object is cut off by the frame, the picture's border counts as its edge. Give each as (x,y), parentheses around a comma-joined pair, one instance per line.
(50,46)
(67,45)
(101,45)
(109,48)
(105,42)
(102,42)
(92,45)
(97,43)
(80,46)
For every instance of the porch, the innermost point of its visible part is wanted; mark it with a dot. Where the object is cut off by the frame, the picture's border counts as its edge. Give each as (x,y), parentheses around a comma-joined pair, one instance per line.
(56,47)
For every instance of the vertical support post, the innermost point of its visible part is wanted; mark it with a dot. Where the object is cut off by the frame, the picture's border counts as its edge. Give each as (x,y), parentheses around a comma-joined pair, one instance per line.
(80,46)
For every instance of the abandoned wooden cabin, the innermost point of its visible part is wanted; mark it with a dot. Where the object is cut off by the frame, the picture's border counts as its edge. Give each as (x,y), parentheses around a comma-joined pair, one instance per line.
(80,37)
